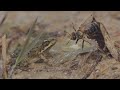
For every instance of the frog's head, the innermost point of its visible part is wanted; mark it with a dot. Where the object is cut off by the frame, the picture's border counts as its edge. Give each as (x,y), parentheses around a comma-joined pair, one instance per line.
(49,42)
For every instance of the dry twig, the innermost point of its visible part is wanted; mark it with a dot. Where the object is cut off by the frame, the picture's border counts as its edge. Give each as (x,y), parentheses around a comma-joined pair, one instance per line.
(4,56)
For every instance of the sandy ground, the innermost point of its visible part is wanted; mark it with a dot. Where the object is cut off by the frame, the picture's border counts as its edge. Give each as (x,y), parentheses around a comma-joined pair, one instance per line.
(60,21)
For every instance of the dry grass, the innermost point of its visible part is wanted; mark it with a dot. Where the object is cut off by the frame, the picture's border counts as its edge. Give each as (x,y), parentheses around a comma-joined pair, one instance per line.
(4,56)
(65,58)
(4,50)
(23,51)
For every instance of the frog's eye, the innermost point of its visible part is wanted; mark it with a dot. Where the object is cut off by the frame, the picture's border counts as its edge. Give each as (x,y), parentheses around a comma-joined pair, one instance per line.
(46,43)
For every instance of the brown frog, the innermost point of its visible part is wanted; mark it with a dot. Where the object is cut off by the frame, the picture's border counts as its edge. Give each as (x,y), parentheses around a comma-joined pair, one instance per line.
(42,51)
(39,51)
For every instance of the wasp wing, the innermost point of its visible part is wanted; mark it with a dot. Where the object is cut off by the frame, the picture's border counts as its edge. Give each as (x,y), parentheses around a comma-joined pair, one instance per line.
(84,24)
(87,21)
(109,42)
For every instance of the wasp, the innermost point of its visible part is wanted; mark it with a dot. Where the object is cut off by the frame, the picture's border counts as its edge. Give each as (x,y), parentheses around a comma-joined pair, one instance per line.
(77,35)
(94,30)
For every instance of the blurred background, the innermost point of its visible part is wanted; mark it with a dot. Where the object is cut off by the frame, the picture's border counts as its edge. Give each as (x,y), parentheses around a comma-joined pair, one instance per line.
(61,20)
(18,22)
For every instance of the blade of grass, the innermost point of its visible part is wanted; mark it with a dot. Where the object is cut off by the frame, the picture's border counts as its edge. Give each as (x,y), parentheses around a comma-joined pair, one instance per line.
(22,53)
(4,18)
(4,57)
(26,43)
(38,40)
(4,51)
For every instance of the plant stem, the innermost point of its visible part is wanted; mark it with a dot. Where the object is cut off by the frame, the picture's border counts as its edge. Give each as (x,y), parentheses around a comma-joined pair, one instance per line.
(4,56)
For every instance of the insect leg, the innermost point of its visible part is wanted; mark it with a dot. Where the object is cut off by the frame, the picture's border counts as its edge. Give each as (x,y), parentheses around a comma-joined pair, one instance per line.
(84,40)
(83,44)
(77,41)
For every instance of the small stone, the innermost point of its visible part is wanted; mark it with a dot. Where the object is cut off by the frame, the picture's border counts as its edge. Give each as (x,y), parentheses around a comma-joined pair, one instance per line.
(114,68)
(39,61)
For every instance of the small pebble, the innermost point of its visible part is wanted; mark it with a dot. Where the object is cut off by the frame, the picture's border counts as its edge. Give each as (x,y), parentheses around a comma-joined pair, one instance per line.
(114,68)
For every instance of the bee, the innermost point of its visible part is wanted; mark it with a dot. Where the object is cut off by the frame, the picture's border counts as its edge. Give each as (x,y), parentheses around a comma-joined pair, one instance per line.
(94,30)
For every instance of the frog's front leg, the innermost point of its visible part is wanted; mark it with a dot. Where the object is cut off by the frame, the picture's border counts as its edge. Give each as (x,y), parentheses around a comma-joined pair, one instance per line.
(41,59)
(47,55)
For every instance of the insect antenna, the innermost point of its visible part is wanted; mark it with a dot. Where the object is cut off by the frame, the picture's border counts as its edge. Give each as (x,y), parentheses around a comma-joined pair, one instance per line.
(69,35)
(73,27)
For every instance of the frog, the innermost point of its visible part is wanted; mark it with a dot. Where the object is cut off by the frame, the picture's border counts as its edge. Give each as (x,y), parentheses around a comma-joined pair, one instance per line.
(40,51)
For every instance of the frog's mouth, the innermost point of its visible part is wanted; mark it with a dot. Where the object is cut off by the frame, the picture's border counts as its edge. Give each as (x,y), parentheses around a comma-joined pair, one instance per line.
(52,41)
(49,43)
